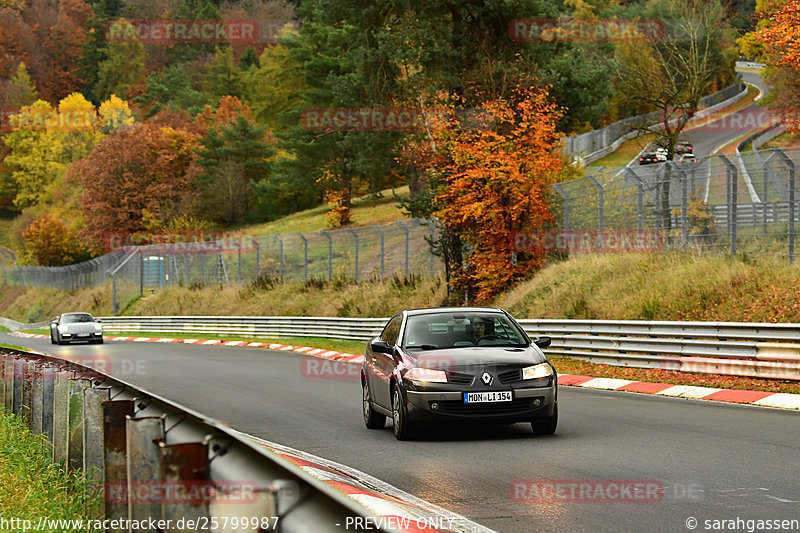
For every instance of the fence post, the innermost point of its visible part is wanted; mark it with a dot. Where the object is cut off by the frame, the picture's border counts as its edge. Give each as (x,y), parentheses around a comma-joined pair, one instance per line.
(305,256)
(405,229)
(280,248)
(330,253)
(600,209)
(355,236)
(639,197)
(778,154)
(376,228)
(732,178)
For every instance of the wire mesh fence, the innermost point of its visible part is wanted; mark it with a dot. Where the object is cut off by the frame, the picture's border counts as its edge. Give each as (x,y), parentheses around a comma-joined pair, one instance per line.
(747,203)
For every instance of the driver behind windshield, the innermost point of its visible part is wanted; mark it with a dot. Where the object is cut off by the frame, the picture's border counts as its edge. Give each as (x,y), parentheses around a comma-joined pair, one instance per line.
(480,328)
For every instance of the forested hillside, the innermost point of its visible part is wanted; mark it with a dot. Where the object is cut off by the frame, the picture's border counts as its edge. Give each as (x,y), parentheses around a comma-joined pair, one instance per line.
(127,118)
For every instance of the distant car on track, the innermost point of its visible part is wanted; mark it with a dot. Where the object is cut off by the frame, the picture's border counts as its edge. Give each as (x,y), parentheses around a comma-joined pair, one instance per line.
(687,157)
(661,154)
(463,365)
(648,158)
(71,327)
(683,147)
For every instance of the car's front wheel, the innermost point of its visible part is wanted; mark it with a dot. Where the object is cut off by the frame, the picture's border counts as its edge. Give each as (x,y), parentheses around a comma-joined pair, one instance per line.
(372,419)
(546,425)
(403,428)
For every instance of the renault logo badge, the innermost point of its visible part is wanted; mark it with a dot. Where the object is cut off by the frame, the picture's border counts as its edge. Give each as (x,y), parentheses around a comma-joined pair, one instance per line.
(487,378)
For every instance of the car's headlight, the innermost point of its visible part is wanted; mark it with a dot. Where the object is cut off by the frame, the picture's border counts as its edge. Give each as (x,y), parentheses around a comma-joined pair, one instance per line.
(427,375)
(541,370)
(62,329)
(98,327)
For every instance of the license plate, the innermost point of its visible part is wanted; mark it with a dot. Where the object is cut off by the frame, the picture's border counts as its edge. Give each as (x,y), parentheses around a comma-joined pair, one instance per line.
(488,397)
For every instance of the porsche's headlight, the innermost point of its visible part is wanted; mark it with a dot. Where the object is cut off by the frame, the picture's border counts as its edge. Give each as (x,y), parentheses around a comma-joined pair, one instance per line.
(98,327)
(541,370)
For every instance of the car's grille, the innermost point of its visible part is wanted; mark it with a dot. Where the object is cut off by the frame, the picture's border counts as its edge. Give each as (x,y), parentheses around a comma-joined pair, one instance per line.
(511,375)
(513,407)
(459,378)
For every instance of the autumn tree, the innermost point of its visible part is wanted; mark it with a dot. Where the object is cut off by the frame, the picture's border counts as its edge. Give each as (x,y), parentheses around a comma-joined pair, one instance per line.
(50,243)
(780,39)
(141,171)
(495,177)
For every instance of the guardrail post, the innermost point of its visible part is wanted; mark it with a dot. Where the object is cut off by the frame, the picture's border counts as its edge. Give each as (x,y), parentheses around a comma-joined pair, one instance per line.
(61,401)
(144,466)
(93,439)
(48,388)
(16,384)
(115,457)
(330,254)
(27,392)
(5,376)
(37,396)
(75,445)
(186,464)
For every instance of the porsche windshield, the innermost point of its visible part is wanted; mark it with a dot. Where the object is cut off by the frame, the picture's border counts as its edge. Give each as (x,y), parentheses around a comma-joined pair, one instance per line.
(73,319)
(461,330)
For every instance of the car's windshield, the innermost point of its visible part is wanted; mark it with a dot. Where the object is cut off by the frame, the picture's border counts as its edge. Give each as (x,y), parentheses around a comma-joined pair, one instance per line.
(461,330)
(72,319)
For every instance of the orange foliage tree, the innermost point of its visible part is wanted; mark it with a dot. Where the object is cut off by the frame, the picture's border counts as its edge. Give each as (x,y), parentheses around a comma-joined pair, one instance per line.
(50,243)
(782,40)
(495,184)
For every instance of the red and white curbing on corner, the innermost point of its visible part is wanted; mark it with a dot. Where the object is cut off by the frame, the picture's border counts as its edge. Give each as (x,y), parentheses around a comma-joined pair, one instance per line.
(777,400)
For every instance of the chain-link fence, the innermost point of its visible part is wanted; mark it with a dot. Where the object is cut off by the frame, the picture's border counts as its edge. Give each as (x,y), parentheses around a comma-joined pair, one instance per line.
(747,202)
(369,252)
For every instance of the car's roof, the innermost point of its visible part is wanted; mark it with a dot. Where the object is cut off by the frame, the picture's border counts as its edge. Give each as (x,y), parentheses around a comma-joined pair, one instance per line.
(76,313)
(433,310)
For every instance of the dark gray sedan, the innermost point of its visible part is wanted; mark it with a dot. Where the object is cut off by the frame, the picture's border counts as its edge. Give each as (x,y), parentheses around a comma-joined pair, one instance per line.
(71,327)
(468,365)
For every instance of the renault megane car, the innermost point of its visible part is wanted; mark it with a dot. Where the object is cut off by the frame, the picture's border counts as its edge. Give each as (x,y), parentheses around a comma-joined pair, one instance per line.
(465,365)
(71,327)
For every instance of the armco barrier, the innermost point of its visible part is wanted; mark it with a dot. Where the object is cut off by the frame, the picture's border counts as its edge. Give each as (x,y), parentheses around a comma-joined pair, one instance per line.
(641,344)
(156,460)
(772,350)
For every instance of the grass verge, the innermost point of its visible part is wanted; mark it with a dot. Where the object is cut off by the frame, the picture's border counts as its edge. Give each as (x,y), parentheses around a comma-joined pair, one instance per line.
(31,486)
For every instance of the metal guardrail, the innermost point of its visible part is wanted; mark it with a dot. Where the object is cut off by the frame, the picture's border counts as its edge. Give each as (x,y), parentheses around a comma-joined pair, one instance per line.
(735,348)
(156,460)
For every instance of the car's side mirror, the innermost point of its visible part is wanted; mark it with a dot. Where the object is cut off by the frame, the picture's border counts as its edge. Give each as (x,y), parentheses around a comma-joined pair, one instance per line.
(97,320)
(381,346)
(543,341)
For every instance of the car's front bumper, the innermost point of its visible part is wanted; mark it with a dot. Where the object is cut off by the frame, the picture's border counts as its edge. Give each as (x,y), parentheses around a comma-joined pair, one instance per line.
(527,404)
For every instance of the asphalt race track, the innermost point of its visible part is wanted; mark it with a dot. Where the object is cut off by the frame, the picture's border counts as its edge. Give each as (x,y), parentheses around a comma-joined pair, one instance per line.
(707,461)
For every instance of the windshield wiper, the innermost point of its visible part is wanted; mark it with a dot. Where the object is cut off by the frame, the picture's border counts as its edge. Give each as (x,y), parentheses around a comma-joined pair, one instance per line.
(424,347)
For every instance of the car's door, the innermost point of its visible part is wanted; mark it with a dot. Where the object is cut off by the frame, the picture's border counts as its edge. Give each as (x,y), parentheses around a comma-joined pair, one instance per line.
(383,364)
